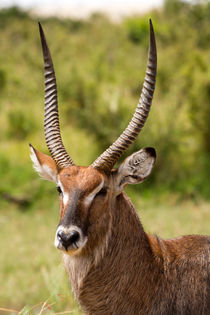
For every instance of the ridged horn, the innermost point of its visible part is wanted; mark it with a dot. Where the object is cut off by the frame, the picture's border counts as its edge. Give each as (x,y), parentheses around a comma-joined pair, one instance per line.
(106,160)
(51,121)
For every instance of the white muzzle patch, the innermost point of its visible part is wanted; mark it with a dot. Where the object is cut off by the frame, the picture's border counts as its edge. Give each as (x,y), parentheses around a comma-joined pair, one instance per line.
(76,245)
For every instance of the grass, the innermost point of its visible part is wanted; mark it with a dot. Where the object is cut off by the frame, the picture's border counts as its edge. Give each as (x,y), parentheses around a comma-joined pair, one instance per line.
(32,276)
(31,268)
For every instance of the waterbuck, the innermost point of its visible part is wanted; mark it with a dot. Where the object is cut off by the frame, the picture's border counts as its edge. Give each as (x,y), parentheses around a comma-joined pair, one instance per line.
(114,267)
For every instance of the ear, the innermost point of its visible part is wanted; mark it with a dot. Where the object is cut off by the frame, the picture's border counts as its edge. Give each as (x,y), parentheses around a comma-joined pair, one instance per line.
(44,165)
(135,168)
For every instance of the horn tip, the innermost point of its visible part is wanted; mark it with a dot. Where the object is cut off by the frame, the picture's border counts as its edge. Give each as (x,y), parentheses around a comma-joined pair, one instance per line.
(40,27)
(41,32)
(45,49)
(151,27)
(152,39)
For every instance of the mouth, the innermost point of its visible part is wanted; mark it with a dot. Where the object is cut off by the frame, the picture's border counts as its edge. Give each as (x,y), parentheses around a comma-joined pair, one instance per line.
(69,240)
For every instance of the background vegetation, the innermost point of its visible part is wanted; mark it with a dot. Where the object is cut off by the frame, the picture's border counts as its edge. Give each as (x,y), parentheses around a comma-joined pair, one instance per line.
(100,68)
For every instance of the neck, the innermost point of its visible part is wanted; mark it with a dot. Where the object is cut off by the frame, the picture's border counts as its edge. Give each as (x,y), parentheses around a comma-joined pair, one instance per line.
(128,238)
(121,264)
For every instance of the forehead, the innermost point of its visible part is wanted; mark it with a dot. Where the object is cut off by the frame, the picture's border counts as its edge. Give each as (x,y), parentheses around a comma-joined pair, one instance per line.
(83,178)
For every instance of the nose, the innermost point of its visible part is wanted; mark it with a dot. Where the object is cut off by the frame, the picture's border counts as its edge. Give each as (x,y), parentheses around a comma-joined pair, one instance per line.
(68,239)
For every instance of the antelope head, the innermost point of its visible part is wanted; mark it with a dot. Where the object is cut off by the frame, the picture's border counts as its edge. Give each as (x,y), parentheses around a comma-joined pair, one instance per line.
(87,194)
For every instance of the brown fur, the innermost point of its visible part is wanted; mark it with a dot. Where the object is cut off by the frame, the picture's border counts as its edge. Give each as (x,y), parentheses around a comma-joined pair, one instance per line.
(122,270)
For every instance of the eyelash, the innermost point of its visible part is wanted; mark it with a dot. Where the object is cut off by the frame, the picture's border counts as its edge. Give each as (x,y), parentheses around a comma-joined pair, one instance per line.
(59,190)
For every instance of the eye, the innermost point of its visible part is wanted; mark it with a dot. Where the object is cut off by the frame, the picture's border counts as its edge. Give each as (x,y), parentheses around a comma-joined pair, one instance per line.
(59,190)
(102,192)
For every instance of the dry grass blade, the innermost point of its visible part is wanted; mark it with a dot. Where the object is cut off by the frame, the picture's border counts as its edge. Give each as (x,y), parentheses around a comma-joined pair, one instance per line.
(43,307)
(36,305)
(7,310)
(19,313)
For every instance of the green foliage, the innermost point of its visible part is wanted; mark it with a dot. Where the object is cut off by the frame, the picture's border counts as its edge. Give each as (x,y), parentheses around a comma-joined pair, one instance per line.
(20,125)
(2,79)
(100,69)
(12,13)
(174,7)
(137,29)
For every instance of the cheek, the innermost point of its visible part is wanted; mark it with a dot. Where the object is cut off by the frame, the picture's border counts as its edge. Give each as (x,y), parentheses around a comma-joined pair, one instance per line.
(96,212)
(100,223)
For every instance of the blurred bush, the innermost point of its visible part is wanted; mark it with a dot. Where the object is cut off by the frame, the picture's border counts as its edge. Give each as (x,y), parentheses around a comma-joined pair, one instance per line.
(137,29)
(2,79)
(20,125)
(100,68)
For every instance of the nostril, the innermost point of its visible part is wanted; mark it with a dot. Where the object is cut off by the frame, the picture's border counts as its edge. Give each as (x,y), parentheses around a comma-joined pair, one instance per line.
(73,237)
(61,236)
(68,239)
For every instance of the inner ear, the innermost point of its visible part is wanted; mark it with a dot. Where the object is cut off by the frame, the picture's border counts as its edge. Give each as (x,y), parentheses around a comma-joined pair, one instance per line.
(44,165)
(135,169)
